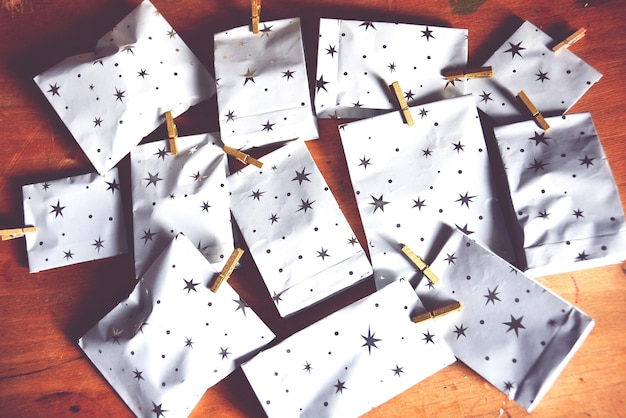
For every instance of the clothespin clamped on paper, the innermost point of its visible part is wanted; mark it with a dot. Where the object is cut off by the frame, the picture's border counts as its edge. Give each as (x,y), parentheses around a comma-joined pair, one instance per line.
(404,107)
(480,72)
(8,234)
(242,156)
(228,269)
(172,132)
(536,114)
(453,307)
(256,15)
(570,40)
(420,264)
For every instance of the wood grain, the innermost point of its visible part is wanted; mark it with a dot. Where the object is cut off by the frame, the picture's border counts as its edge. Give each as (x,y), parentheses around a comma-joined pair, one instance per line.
(42,371)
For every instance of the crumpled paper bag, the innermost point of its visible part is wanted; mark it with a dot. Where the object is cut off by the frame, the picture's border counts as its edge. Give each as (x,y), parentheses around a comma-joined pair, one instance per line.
(564,194)
(111,98)
(357,61)
(78,219)
(553,81)
(300,240)
(351,361)
(262,85)
(185,193)
(173,338)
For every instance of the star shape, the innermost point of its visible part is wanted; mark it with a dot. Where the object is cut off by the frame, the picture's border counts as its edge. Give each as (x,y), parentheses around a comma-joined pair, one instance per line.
(451,82)
(539,138)
(542,76)
(99,61)
(224,352)
(68,254)
(158,410)
(492,296)
(171,33)
(367,25)
(450,258)
(241,304)
(392,67)
(97,121)
(161,153)
(197,176)
(458,147)
(427,153)
(586,161)
(508,385)
(485,97)
(142,73)
(288,74)
(276,297)
(397,370)
(428,337)
(113,186)
(464,229)
(307,366)
(147,236)
(465,199)
(378,203)
(45,186)
(370,340)
(190,285)
(268,126)
(274,218)
(578,213)
(119,95)
(305,205)
(515,324)
(364,162)
(331,51)
(323,253)
(54,89)
(515,49)
(429,283)
(340,386)
(538,165)
(249,75)
(98,243)
(423,112)
(419,203)
(138,375)
(256,194)
(117,334)
(188,342)
(428,34)
(358,104)
(321,84)
(128,49)
(543,214)
(152,179)
(193,150)
(301,176)
(460,331)
(409,95)
(57,209)
(230,116)
(265,31)
(353,241)
(582,256)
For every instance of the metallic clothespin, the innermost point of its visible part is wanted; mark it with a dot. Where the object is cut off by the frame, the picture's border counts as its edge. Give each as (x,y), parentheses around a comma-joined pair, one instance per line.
(404,107)
(242,156)
(172,132)
(480,72)
(420,264)
(536,114)
(7,234)
(570,40)
(453,307)
(256,14)
(228,269)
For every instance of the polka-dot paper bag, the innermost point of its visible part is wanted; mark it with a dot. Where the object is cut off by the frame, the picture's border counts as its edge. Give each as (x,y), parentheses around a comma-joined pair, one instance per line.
(111,98)
(185,193)
(173,338)
(351,361)
(564,194)
(405,177)
(77,218)
(357,61)
(553,81)
(262,85)
(300,240)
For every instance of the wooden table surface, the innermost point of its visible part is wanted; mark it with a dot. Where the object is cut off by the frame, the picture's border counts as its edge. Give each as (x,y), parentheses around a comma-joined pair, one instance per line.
(42,370)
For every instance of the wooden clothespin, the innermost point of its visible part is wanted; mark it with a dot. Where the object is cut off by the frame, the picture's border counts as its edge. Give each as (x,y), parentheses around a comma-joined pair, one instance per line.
(8,234)
(228,269)
(536,114)
(256,15)
(242,156)
(172,132)
(420,264)
(404,107)
(480,72)
(453,307)
(570,40)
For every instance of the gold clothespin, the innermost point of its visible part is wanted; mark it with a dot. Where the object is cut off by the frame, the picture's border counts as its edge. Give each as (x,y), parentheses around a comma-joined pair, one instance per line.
(480,72)
(536,114)
(172,132)
(228,269)
(420,264)
(453,307)
(570,40)
(8,234)
(404,107)
(256,14)
(242,156)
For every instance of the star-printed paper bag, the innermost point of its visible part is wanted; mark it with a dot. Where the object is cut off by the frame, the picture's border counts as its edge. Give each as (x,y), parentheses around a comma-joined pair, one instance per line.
(553,81)
(300,240)
(111,98)
(351,361)
(173,338)
(512,331)
(77,218)
(565,198)
(262,85)
(406,177)
(357,61)
(186,193)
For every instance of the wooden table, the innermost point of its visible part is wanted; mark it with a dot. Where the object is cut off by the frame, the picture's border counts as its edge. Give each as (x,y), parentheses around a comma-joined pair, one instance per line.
(44,373)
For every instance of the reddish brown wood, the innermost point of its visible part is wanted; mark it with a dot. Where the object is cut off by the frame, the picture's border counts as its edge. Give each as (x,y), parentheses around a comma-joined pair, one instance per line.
(42,371)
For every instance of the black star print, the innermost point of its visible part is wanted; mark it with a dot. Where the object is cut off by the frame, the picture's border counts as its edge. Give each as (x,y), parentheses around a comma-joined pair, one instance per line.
(276,297)
(241,304)
(128,49)
(138,375)
(58,209)
(419,203)
(54,89)
(307,366)
(147,236)
(340,386)
(586,161)
(99,61)
(428,34)
(543,214)
(465,199)
(427,153)
(256,195)
(578,213)
(117,334)
(450,258)
(97,122)
(197,176)
(539,138)
(230,116)
(353,241)
(143,324)
(451,82)
(274,218)
(423,112)
(119,95)
(190,285)
(364,162)
(91,87)
(161,153)
(460,331)
(428,337)
(321,84)
(224,352)
(370,341)
(515,49)
(357,104)
(515,324)
(113,186)
(98,243)
(172,196)
(508,386)
(152,179)
(305,205)
(249,75)
(542,76)
(397,370)
(68,254)
(538,165)
(464,229)
(323,253)
(429,284)
(485,97)
(368,25)
(45,186)
(582,256)
(158,409)
(288,74)
(378,203)
(142,73)
(492,296)
(205,207)
(301,176)
(188,342)
(458,147)
(171,33)
(266,30)
(408,95)
(392,67)
(268,126)
(331,51)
